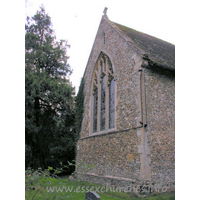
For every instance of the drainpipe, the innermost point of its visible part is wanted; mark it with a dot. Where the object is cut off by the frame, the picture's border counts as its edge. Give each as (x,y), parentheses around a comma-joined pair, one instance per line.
(143,120)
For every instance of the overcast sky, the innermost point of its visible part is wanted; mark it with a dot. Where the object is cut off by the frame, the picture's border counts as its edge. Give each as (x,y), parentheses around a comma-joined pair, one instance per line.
(77,21)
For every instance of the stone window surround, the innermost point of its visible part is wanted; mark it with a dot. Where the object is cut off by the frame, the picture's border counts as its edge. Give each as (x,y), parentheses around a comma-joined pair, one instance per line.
(97,75)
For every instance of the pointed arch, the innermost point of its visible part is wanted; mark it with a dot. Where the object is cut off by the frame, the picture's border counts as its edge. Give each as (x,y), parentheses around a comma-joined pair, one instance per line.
(103,103)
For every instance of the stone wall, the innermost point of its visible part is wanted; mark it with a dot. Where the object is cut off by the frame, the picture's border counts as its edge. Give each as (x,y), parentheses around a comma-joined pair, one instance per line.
(160,100)
(114,154)
(130,153)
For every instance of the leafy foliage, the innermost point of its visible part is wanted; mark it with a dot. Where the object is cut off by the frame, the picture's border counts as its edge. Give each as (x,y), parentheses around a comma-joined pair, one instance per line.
(36,182)
(79,107)
(49,95)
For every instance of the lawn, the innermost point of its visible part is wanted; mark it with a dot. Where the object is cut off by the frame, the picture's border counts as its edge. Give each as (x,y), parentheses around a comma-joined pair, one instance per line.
(63,188)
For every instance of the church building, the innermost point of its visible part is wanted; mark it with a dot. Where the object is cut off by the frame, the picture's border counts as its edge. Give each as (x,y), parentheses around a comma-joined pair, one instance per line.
(128,126)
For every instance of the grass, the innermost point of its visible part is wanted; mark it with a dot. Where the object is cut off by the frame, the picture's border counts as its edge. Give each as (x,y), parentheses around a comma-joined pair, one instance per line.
(63,188)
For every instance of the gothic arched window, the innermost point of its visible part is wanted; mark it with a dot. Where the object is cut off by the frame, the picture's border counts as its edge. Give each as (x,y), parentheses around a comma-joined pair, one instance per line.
(103,98)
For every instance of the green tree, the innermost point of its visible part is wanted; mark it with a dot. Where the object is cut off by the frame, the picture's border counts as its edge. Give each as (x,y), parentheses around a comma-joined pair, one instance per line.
(48,92)
(79,109)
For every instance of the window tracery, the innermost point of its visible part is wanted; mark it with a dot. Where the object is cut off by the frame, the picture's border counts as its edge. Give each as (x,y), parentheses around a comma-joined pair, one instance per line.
(103,99)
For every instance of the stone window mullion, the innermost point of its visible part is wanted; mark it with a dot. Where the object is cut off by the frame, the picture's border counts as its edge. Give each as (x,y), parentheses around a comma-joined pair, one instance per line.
(95,110)
(107,102)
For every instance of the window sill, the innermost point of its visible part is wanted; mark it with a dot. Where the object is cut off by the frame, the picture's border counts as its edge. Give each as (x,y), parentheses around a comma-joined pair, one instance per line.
(102,132)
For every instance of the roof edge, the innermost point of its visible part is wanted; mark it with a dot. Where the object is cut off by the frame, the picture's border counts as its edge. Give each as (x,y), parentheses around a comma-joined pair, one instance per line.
(155,65)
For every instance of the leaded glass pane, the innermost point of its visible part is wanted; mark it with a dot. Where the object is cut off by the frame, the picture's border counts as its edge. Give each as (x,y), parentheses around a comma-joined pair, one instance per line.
(103,104)
(101,64)
(95,111)
(104,64)
(112,104)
